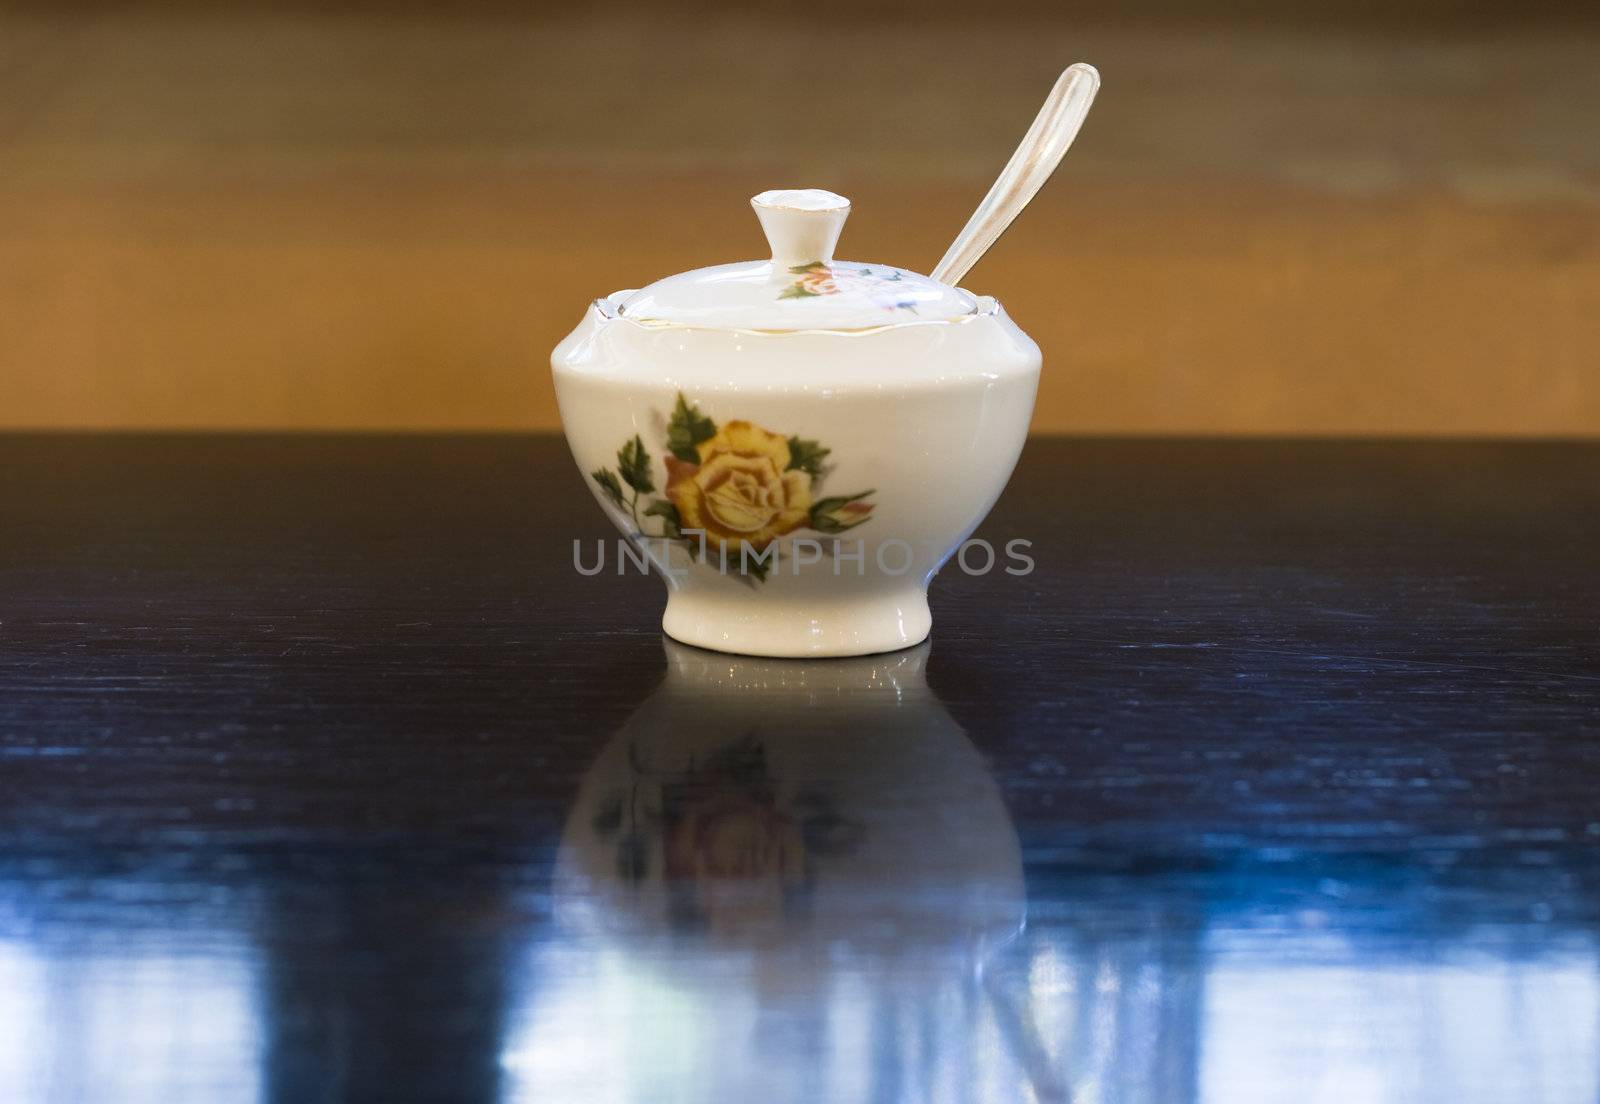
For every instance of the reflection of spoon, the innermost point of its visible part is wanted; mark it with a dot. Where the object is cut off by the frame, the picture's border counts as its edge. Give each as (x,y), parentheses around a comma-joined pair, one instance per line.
(1042,149)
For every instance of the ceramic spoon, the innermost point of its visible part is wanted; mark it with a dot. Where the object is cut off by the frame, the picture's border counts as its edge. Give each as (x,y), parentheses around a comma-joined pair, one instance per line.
(1042,148)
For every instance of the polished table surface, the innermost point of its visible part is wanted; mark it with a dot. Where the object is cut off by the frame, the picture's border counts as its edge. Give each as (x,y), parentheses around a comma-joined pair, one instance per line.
(324,776)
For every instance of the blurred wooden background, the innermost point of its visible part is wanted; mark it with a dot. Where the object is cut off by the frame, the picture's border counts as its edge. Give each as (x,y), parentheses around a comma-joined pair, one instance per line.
(1306,220)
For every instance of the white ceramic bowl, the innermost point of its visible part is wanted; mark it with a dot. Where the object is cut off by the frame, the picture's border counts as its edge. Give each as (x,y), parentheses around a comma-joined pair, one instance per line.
(796,485)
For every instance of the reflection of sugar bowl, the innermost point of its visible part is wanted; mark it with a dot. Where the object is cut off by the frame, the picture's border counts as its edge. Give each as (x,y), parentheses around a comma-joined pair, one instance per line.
(800,442)
(771,860)
(770,804)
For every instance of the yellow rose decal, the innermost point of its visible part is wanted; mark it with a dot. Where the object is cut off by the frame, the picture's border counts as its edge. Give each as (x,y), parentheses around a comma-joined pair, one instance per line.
(736,849)
(732,856)
(736,488)
(743,489)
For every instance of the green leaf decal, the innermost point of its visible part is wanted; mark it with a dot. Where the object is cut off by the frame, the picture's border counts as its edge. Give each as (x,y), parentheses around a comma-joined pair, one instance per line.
(671,524)
(608,483)
(634,462)
(840,513)
(687,428)
(749,565)
(754,570)
(797,292)
(806,456)
(808,267)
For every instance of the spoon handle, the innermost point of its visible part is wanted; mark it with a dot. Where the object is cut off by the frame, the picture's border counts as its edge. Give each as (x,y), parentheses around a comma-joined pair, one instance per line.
(1042,148)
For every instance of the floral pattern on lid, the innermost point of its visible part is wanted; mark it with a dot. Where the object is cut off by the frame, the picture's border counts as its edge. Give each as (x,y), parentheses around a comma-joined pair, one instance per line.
(820,278)
(802,286)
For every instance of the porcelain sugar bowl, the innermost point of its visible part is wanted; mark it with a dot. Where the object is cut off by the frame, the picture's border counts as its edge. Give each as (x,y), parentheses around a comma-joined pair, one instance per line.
(796,444)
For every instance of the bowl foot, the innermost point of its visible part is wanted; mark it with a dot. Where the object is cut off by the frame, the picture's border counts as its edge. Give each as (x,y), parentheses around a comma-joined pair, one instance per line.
(747,625)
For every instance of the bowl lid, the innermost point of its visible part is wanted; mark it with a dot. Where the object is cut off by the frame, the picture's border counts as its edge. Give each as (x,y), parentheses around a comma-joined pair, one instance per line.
(802,287)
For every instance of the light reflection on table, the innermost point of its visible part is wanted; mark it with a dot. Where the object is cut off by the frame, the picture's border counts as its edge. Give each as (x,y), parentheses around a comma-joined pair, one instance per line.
(790,881)
(126,1017)
(909,976)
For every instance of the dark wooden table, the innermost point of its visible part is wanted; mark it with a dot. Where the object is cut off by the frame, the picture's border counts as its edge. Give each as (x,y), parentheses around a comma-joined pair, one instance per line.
(323,776)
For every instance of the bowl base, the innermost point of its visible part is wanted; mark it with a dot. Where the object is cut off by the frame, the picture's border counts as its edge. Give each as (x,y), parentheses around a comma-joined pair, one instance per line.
(749,625)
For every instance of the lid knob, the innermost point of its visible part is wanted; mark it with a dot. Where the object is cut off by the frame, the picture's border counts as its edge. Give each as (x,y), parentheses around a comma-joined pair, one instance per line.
(802,225)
